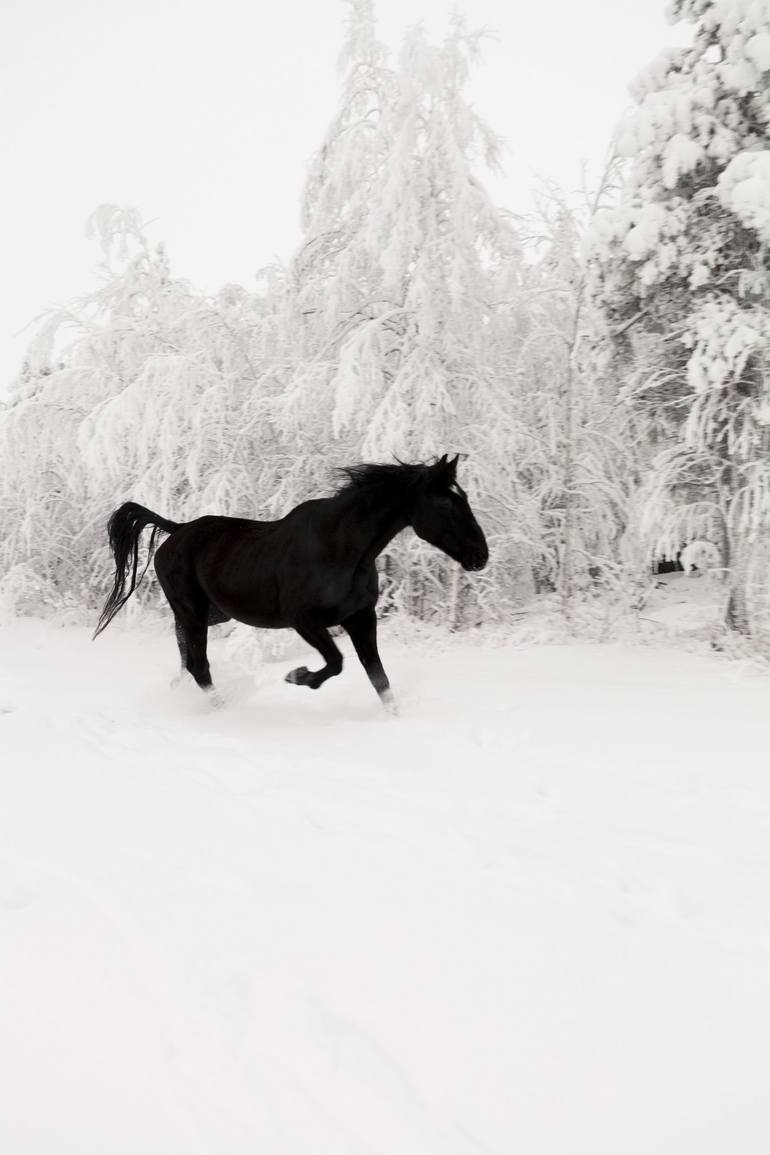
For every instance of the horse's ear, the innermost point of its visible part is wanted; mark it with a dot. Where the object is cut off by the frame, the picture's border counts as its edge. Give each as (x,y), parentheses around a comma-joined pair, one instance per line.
(435,471)
(448,468)
(444,471)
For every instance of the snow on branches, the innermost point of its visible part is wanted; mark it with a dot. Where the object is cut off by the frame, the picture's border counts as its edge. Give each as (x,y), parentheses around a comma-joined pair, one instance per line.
(409,323)
(684,259)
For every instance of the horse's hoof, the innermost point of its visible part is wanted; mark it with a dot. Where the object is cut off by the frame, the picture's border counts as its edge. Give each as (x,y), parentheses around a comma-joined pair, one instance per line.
(216,700)
(389,703)
(298,677)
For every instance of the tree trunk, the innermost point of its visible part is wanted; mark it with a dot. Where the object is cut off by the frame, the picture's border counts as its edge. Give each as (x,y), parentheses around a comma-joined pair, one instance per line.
(737,615)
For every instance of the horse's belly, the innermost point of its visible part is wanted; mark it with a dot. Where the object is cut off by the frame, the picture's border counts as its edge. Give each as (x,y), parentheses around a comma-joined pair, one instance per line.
(259,618)
(261,622)
(255,604)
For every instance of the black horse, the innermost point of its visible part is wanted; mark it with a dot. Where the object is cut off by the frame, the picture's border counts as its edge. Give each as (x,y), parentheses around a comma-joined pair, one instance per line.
(313,569)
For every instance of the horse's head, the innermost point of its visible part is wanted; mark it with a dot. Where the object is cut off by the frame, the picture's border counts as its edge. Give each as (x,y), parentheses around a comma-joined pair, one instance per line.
(442,516)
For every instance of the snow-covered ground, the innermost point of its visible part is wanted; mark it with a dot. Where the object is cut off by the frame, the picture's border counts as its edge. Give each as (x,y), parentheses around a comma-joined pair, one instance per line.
(529,915)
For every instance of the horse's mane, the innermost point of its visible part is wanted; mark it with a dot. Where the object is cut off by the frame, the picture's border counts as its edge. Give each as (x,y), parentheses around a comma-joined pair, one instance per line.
(382,481)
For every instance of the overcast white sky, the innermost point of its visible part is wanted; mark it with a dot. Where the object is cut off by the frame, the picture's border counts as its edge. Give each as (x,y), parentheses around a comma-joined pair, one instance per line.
(203,114)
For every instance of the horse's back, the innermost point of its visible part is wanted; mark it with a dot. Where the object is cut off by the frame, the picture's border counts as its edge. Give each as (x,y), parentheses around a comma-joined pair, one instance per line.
(195,538)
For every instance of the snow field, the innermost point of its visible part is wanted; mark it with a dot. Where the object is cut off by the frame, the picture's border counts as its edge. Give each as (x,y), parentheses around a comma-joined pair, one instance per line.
(529,914)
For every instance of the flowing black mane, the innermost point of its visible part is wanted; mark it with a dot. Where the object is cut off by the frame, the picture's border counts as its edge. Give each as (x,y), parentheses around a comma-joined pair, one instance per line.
(383,481)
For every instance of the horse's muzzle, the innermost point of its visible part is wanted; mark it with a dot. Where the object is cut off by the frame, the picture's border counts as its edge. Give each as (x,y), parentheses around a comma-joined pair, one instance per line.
(476,560)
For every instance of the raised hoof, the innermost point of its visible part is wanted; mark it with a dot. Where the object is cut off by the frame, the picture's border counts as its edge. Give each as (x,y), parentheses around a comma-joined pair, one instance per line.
(302,676)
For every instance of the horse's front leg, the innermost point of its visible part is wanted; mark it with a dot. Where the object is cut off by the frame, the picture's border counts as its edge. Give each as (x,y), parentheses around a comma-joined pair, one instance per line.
(362,628)
(321,640)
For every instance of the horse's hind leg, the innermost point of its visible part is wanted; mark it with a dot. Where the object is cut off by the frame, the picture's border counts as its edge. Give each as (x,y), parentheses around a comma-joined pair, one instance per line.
(181,641)
(321,640)
(191,609)
(194,631)
(215,618)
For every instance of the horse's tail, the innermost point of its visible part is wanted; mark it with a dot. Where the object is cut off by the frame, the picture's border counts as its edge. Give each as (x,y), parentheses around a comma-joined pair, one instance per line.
(124,530)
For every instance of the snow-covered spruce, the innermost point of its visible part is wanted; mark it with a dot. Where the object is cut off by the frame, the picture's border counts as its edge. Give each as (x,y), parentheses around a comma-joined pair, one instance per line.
(682,274)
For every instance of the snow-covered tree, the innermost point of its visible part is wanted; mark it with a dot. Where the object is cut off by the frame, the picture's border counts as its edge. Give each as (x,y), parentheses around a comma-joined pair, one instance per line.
(683,282)
(393,288)
(409,323)
(577,430)
(143,399)
(572,479)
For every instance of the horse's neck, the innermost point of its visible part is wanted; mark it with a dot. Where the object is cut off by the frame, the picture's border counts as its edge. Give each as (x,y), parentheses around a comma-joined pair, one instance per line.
(372,528)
